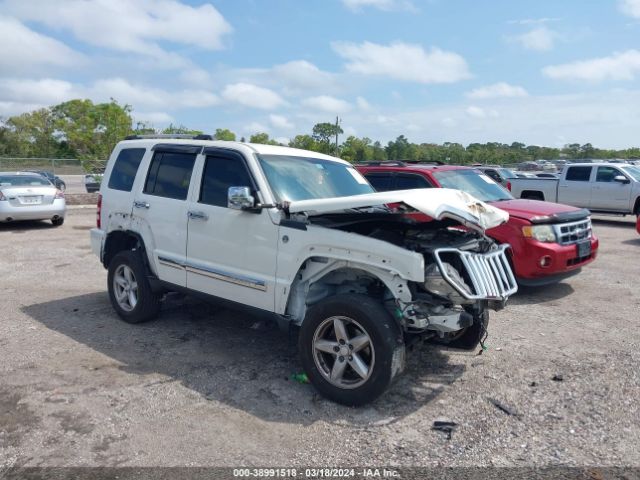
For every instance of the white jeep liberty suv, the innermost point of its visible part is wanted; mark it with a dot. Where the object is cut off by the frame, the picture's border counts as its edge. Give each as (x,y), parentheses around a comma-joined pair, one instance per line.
(304,237)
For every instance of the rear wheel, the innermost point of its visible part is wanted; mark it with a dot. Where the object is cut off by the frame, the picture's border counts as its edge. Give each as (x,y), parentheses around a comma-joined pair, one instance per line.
(129,289)
(351,348)
(57,221)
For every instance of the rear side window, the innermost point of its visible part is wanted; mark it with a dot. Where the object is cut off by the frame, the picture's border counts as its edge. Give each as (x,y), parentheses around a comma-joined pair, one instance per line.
(220,173)
(169,175)
(579,174)
(125,168)
(409,182)
(380,181)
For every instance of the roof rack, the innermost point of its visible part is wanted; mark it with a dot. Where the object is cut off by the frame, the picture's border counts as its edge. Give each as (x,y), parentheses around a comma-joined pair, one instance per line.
(392,163)
(185,136)
(419,162)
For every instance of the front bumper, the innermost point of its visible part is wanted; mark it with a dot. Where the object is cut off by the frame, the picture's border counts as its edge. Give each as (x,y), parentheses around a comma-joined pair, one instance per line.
(560,261)
(32,212)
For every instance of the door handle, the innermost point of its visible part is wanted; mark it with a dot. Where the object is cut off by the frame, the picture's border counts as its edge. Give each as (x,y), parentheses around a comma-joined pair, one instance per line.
(141,205)
(198,215)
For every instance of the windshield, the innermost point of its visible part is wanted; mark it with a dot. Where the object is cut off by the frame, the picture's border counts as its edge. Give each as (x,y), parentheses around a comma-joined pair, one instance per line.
(474,183)
(633,172)
(302,178)
(506,173)
(23,181)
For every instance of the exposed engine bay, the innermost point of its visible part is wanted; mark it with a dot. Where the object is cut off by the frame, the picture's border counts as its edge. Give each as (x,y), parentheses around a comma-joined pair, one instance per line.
(465,272)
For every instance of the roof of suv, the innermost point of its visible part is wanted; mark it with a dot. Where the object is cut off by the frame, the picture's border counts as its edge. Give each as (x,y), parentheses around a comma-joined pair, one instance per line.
(243,146)
(408,167)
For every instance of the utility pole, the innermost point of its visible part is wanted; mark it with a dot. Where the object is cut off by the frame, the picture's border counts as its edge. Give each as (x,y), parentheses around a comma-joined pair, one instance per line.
(337,127)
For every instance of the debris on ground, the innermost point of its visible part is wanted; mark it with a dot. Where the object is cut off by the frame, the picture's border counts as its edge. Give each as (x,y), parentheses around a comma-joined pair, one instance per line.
(300,377)
(504,408)
(557,377)
(445,426)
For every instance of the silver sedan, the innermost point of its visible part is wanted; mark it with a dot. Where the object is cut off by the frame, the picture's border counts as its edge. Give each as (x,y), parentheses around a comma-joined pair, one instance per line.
(28,196)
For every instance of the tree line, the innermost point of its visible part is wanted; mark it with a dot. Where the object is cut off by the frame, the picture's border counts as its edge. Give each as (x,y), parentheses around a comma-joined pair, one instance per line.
(88,131)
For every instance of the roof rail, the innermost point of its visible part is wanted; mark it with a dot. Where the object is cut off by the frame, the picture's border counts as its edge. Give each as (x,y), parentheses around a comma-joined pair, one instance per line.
(392,163)
(420,162)
(185,136)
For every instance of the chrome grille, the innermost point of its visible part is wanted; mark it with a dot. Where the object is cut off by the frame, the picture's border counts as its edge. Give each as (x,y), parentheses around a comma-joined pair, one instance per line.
(490,273)
(570,233)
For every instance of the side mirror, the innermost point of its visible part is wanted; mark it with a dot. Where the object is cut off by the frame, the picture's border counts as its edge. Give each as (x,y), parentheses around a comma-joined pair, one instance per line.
(240,198)
(621,179)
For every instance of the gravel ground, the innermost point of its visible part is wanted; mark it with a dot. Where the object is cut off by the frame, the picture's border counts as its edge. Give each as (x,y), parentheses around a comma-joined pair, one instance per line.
(208,386)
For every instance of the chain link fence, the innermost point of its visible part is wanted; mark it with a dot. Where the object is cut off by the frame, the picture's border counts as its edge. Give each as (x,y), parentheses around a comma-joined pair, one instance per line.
(59,166)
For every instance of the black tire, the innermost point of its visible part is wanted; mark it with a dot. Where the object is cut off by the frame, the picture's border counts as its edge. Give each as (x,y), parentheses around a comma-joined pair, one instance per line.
(147,306)
(468,338)
(385,338)
(57,221)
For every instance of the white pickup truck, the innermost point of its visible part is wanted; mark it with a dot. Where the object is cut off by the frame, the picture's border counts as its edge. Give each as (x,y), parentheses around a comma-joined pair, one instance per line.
(600,187)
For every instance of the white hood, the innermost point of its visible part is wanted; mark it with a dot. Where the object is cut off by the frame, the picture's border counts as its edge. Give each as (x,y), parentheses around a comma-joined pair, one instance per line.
(438,203)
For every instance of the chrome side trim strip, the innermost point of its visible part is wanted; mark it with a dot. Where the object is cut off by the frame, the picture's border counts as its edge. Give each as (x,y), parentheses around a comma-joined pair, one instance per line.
(216,274)
(227,277)
(167,262)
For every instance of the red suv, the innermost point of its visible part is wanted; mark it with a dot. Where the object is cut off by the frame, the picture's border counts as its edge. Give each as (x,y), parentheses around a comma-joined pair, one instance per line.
(549,241)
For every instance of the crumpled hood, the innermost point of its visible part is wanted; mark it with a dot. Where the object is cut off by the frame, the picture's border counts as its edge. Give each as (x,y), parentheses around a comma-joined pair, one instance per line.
(438,203)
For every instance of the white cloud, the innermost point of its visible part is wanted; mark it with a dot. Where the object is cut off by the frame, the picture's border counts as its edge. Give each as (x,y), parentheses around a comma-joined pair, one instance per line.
(300,74)
(385,5)
(540,39)
(161,118)
(46,91)
(23,49)
(128,26)
(255,127)
(253,96)
(500,89)
(327,104)
(476,112)
(630,7)
(280,121)
(534,21)
(362,103)
(618,66)
(403,61)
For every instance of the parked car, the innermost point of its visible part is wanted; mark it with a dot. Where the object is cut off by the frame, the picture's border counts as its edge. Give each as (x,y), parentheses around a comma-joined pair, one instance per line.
(303,237)
(500,175)
(92,183)
(29,196)
(57,181)
(600,187)
(549,242)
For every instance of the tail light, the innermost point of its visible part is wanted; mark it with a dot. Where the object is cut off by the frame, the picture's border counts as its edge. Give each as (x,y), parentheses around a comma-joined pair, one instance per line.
(99,211)
(509,186)
(59,194)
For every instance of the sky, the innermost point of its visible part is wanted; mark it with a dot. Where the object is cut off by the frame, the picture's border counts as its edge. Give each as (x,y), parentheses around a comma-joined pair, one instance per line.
(546,72)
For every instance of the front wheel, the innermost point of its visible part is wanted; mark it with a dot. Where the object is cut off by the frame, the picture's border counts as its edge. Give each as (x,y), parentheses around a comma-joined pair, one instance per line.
(129,290)
(351,348)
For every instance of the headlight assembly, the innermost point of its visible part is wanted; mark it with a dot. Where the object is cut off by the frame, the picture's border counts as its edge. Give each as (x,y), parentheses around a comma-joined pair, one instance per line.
(542,233)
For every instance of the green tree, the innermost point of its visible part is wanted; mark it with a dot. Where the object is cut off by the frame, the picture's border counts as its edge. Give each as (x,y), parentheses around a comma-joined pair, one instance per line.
(224,134)
(180,130)
(92,131)
(324,134)
(263,138)
(305,142)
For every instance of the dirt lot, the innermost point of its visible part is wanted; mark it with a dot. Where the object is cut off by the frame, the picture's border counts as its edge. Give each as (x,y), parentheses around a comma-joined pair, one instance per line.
(208,386)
